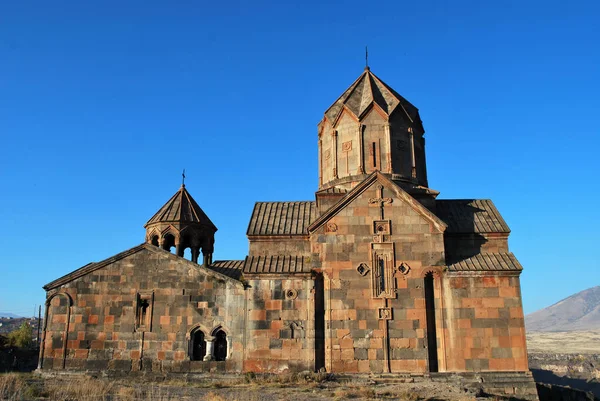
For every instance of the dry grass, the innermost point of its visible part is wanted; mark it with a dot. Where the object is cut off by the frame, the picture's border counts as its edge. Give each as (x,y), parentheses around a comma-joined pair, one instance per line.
(575,342)
(12,386)
(81,388)
(305,379)
(365,392)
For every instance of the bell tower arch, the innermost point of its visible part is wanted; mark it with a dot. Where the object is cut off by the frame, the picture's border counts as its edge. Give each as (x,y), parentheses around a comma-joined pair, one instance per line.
(182,224)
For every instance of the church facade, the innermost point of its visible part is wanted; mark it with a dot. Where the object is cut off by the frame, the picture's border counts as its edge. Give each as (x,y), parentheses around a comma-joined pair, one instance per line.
(376,275)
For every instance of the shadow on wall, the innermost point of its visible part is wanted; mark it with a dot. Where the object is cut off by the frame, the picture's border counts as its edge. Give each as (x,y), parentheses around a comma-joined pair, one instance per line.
(461,241)
(549,377)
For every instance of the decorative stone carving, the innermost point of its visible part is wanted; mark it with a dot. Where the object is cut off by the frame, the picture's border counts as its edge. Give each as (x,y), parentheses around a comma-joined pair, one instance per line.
(404,268)
(331,227)
(380,201)
(382,227)
(347,146)
(363,269)
(385,313)
(291,294)
(327,154)
(382,274)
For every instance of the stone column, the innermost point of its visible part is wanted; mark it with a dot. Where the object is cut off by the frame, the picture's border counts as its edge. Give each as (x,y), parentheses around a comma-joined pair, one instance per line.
(334,138)
(209,349)
(320,162)
(388,143)
(361,167)
(413,170)
(195,253)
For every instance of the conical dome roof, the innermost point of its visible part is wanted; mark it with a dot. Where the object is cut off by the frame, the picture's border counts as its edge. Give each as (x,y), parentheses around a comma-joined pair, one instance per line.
(369,89)
(181,208)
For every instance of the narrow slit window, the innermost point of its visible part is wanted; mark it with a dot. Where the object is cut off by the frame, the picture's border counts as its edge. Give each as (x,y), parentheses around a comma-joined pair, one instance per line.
(374,152)
(143,311)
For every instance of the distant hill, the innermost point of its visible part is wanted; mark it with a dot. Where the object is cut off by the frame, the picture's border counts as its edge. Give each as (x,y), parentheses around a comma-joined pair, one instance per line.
(580,311)
(8,314)
(8,324)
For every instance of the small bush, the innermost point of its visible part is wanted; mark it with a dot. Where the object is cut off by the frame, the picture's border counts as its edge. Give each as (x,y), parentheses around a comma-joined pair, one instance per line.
(22,337)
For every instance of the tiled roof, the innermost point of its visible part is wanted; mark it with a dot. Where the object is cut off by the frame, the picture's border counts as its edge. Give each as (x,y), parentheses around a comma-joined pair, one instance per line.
(368,89)
(471,216)
(333,190)
(281,218)
(230,268)
(181,208)
(276,264)
(505,261)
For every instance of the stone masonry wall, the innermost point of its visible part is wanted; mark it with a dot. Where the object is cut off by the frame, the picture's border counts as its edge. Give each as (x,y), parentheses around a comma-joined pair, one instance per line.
(280,331)
(359,326)
(104,329)
(484,317)
(274,246)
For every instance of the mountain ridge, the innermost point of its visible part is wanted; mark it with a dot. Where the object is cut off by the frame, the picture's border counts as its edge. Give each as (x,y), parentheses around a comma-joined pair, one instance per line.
(580,311)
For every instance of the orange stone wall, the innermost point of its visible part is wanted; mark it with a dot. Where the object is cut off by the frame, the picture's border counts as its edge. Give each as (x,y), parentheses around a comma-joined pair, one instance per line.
(280,330)
(100,325)
(355,335)
(484,320)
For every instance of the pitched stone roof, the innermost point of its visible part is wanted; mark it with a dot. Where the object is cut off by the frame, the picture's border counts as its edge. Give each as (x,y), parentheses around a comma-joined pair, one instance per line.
(399,193)
(504,261)
(276,264)
(281,218)
(91,267)
(230,268)
(181,208)
(471,216)
(369,89)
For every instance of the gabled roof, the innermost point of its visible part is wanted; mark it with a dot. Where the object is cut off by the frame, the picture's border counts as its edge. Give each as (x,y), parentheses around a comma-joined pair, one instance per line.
(288,264)
(503,261)
(386,182)
(181,208)
(91,267)
(367,90)
(465,216)
(281,218)
(230,268)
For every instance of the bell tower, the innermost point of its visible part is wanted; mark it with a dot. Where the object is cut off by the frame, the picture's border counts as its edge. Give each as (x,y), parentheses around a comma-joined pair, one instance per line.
(370,127)
(182,224)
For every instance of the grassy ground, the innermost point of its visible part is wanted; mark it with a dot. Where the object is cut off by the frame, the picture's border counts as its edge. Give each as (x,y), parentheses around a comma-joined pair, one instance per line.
(574,342)
(311,387)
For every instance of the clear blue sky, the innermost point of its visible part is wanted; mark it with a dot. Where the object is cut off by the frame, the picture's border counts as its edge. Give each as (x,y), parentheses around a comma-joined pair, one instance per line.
(104,103)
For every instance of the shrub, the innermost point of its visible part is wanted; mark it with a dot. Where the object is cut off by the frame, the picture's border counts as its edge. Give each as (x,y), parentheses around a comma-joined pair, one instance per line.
(22,337)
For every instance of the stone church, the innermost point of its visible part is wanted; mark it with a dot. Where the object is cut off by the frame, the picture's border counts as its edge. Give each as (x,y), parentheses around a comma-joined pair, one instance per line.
(375,275)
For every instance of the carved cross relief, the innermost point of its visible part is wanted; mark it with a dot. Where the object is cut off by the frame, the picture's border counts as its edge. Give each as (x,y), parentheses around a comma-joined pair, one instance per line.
(380,200)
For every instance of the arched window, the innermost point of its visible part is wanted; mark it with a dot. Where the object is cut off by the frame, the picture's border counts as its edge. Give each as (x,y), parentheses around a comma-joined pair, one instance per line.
(198,345)
(168,242)
(220,347)
(430,316)
(154,240)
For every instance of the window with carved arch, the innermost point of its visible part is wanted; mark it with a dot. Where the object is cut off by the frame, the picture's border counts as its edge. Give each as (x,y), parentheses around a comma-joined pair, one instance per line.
(143,311)
(197,345)
(383,282)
